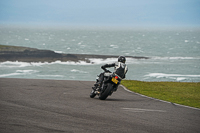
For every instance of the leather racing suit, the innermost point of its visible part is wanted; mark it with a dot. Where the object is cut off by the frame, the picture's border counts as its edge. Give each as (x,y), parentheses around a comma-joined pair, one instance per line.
(120,69)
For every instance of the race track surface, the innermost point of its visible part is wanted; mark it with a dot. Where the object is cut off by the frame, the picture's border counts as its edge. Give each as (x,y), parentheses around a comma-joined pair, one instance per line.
(30,106)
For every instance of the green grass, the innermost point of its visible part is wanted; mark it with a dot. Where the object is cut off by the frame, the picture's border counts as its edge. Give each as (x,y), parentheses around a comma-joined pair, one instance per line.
(5,47)
(185,93)
(14,48)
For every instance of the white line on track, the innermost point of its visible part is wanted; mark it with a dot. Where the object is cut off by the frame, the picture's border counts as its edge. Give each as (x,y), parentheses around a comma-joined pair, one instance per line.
(142,110)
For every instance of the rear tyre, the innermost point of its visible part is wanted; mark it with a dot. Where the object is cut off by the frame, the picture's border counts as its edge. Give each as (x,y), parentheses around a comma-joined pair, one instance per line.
(107,92)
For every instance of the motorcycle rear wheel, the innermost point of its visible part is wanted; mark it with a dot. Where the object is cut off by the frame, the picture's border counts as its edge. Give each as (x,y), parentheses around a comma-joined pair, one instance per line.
(106,93)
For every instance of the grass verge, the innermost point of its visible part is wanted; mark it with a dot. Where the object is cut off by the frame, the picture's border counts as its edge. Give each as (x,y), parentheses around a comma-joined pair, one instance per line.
(185,93)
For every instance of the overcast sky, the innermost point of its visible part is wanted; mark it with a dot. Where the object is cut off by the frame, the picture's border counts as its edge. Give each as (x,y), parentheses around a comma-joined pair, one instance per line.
(131,13)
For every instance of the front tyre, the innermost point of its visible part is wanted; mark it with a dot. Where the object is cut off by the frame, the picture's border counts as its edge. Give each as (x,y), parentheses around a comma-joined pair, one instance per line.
(92,94)
(106,93)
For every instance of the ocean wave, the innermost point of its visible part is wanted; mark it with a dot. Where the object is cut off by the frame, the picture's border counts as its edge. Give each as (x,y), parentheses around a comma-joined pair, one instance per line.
(177,77)
(102,61)
(176,58)
(70,63)
(93,61)
(19,72)
(59,52)
(26,71)
(50,76)
(10,74)
(111,60)
(79,71)
(12,64)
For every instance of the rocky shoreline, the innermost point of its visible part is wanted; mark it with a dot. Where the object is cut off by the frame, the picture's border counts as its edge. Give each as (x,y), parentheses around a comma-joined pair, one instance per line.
(25,54)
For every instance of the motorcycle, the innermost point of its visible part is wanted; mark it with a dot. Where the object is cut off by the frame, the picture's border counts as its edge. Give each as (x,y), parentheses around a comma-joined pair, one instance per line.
(109,85)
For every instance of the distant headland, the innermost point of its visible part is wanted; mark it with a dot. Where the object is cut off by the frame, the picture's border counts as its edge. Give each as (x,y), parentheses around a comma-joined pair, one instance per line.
(26,54)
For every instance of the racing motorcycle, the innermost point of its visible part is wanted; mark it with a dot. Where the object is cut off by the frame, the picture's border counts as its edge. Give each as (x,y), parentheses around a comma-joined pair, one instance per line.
(109,85)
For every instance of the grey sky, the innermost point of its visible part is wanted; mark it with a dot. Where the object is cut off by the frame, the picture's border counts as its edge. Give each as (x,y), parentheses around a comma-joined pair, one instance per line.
(101,12)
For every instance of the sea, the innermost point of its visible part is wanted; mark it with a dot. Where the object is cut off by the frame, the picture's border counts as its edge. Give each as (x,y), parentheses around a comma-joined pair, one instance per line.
(174,54)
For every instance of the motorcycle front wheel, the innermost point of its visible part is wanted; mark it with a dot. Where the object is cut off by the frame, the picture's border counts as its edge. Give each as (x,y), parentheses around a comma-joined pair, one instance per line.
(92,94)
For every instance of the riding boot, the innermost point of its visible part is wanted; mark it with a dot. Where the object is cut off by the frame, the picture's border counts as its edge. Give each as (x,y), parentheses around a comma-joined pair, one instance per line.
(100,80)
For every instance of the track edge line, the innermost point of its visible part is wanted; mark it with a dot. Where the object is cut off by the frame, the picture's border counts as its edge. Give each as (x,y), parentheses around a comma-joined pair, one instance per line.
(158,99)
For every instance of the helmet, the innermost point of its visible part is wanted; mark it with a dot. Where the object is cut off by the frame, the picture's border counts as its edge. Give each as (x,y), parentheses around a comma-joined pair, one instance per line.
(122,59)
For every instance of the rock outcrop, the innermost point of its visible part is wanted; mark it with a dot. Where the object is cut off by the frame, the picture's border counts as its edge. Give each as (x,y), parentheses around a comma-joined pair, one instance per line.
(25,54)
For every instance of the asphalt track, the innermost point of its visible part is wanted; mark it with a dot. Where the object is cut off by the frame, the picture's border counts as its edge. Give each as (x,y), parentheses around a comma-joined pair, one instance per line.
(28,106)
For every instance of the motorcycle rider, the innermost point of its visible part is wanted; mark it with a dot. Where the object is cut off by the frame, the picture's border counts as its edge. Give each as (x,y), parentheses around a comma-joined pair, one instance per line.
(120,69)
